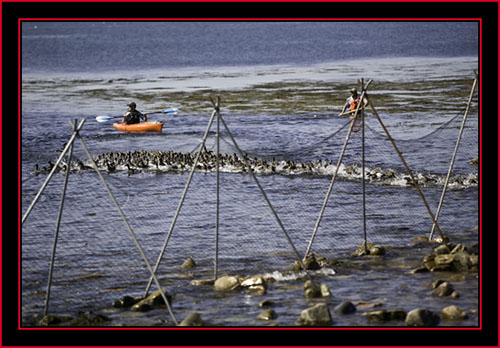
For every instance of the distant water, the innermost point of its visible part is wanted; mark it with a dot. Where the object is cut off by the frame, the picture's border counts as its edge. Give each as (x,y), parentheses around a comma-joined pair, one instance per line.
(131,46)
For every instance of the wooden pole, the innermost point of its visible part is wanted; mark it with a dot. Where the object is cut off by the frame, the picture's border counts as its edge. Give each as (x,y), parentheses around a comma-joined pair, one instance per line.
(278,220)
(407,169)
(58,224)
(453,156)
(339,162)
(216,263)
(181,202)
(365,241)
(61,156)
(129,228)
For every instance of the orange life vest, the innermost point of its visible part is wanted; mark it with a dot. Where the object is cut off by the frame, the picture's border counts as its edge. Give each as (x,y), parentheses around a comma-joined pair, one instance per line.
(354,104)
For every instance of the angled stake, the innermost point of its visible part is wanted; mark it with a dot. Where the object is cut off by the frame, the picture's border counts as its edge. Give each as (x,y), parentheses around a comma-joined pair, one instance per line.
(410,173)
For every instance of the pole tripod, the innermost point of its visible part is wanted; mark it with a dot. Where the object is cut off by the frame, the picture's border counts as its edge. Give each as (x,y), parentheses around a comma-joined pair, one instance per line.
(69,147)
(410,173)
(216,112)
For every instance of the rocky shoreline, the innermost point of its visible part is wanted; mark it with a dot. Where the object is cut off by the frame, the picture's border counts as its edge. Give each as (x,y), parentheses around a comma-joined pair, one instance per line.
(445,263)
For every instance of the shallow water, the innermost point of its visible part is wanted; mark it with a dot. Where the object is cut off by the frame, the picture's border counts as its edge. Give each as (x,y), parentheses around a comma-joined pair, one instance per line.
(286,112)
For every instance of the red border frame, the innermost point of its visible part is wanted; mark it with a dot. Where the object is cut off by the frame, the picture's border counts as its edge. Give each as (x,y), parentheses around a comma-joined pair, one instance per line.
(20,20)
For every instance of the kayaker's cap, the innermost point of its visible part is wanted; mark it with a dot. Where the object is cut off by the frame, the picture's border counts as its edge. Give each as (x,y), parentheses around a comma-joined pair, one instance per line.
(131,104)
(354,91)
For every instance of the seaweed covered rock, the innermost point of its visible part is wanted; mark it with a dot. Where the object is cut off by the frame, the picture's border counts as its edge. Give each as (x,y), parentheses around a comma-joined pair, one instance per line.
(155,300)
(90,319)
(310,262)
(452,258)
(52,320)
(383,315)
(201,282)
(315,290)
(311,290)
(370,250)
(125,302)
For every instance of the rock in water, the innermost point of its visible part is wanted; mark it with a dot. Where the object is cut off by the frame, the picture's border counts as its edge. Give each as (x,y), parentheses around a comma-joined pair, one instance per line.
(200,282)
(421,317)
(51,319)
(443,289)
(325,291)
(255,283)
(377,250)
(311,290)
(155,300)
(318,315)
(188,264)
(266,303)
(267,314)
(90,319)
(310,262)
(227,283)
(193,319)
(345,307)
(125,302)
(453,313)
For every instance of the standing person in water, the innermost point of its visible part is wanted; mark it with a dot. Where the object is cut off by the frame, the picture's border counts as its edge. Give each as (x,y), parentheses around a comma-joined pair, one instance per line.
(352,102)
(133,116)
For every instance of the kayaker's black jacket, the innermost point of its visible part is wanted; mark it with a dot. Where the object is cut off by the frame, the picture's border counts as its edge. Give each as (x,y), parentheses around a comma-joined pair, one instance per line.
(134,116)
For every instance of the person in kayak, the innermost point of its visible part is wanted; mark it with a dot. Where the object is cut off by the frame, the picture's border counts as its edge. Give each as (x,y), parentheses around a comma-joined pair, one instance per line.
(352,102)
(133,116)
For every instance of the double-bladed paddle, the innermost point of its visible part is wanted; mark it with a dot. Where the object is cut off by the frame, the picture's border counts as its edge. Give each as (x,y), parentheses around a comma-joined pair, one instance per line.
(105,118)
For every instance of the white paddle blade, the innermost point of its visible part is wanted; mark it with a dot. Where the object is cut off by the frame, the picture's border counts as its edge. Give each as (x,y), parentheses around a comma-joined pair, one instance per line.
(171,111)
(103,118)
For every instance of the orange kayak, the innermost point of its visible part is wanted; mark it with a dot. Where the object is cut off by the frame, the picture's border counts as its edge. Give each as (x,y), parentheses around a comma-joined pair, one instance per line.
(139,127)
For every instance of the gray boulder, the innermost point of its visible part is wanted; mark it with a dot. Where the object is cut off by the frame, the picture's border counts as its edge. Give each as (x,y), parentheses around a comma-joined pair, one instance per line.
(442,289)
(267,314)
(318,315)
(188,264)
(255,283)
(193,319)
(227,283)
(453,313)
(421,317)
(345,307)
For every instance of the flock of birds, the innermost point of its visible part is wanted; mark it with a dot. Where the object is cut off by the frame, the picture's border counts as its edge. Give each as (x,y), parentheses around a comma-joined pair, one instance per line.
(134,162)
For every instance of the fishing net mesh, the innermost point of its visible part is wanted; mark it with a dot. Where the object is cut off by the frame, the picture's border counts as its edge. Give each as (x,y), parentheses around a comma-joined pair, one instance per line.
(250,239)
